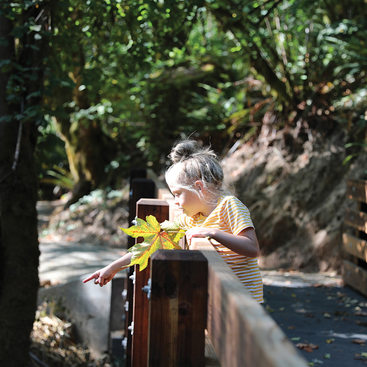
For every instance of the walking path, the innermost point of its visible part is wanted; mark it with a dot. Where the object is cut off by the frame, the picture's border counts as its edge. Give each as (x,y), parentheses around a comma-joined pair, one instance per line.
(326,321)
(62,261)
(63,265)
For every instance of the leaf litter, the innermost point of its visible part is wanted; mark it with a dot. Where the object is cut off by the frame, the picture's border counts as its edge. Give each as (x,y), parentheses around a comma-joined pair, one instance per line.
(54,341)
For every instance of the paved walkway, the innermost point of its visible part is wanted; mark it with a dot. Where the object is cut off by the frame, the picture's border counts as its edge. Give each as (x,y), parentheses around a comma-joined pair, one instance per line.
(63,264)
(62,261)
(326,321)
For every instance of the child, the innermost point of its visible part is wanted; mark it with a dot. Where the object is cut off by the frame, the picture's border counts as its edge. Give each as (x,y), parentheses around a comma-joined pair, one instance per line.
(195,179)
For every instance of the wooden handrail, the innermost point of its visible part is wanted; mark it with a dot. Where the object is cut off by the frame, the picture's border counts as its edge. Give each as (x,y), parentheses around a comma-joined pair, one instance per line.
(241,331)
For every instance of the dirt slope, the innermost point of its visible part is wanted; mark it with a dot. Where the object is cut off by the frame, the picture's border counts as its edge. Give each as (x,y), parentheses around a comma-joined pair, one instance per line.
(296,194)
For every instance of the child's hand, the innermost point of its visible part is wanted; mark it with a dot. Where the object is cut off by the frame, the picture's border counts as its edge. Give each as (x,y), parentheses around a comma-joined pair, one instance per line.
(102,276)
(199,232)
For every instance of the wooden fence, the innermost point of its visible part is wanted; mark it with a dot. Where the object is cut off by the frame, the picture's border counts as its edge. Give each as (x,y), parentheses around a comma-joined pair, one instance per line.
(355,237)
(188,292)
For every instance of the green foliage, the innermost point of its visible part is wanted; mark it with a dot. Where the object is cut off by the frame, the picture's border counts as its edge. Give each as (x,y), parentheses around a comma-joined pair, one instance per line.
(149,72)
(29,34)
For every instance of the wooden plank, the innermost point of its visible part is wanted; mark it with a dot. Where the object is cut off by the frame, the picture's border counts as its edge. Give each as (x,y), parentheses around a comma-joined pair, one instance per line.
(139,352)
(178,308)
(140,187)
(355,246)
(355,276)
(357,190)
(242,333)
(357,220)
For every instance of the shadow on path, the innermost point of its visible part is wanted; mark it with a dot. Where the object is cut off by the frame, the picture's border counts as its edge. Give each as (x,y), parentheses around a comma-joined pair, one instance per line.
(326,321)
(63,261)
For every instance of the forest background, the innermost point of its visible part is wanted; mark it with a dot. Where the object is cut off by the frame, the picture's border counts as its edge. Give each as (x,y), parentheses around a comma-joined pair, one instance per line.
(90,89)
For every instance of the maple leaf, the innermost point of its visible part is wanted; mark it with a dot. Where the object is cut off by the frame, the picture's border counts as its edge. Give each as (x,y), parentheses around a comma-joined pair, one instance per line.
(156,236)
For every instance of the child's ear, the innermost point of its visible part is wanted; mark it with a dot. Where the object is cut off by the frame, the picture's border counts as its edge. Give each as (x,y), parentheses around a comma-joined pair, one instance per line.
(199,185)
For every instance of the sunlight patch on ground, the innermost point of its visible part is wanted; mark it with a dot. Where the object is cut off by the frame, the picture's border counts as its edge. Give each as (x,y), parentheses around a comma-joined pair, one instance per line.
(295,279)
(348,336)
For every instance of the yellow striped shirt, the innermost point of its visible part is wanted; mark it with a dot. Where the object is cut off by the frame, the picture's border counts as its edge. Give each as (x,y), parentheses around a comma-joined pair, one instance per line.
(231,216)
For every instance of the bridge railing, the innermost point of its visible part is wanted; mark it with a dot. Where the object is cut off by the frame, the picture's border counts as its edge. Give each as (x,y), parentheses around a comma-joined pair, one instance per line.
(190,291)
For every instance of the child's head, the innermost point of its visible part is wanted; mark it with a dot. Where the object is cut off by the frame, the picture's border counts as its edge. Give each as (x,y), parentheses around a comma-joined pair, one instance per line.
(193,163)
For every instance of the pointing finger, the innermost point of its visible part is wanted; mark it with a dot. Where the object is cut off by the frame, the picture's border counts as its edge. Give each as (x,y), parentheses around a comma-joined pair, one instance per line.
(93,276)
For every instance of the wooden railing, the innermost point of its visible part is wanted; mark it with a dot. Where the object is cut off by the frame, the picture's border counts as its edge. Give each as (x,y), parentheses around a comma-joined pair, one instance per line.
(241,331)
(355,237)
(195,290)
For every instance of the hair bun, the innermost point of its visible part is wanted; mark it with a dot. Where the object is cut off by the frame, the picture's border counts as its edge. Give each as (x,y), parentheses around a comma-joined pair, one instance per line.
(184,150)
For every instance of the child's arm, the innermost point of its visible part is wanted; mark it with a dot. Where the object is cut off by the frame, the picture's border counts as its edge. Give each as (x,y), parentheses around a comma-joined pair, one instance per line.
(245,243)
(104,275)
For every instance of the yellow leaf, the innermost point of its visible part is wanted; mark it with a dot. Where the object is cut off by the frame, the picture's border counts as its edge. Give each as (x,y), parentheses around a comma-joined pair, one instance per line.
(155,238)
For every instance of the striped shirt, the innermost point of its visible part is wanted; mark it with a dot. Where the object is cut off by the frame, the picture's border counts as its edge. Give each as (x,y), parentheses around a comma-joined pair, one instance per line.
(231,216)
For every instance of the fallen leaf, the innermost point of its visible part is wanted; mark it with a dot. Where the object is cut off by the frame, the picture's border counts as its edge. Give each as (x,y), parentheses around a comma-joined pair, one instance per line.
(307,347)
(359,341)
(329,341)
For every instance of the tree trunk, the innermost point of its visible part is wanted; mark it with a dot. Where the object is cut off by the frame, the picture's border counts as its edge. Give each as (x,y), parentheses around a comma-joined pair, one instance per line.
(18,218)
(18,245)
(89,150)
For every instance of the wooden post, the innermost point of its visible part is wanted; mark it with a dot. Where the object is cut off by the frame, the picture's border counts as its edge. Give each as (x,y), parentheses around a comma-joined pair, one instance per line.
(178,306)
(140,187)
(117,315)
(139,353)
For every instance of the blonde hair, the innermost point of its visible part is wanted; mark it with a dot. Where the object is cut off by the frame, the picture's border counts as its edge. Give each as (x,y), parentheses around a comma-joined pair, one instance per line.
(191,163)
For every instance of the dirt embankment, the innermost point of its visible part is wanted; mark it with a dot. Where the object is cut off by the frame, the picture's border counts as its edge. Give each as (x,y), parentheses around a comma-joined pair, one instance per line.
(296,192)
(95,219)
